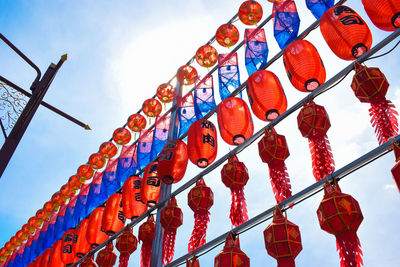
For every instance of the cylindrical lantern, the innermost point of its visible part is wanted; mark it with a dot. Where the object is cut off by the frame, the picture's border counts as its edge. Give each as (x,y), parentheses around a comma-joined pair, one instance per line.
(165,92)
(202,143)
(345,32)
(227,35)
(68,244)
(340,215)
(152,108)
(207,56)
(45,258)
(282,239)
(384,14)
(97,161)
(82,246)
(173,161)
(122,136)
(94,234)
(146,235)
(304,66)
(55,255)
(234,121)
(151,184)
(136,122)
(231,254)
(126,244)
(250,12)
(108,150)
(186,75)
(85,172)
(113,217)
(234,175)
(171,217)
(200,200)
(132,203)
(106,257)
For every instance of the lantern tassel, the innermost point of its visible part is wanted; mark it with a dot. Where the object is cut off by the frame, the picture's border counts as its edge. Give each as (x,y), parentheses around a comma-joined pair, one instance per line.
(124,259)
(322,158)
(145,254)
(286,262)
(349,248)
(280,181)
(238,213)
(198,237)
(169,245)
(384,120)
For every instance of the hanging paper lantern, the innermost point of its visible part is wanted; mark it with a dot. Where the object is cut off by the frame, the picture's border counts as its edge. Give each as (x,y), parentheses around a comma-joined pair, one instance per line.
(396,169)
(132,203)
(106,257)
(345,32)
(282,239)
(340,215)
(304,66)
(234,175)
(85,172)
(68,255)
(146,235)
(108,149)
(82,246)
(97,161)
(150,190)
(67,191)
(122,136)
(94,234)
(186,75)
(126,244)
(200,200)
(45,258)
(250,12)
(193,263)
(231,255)
(48,209)
(27,229)
(202,143)
(88,262)
(318,7)
(234,121)
(165,92)
(313,122)
(171,217)
(286,22)
(152,108)
(113,217)
(384,14)
(266,96)
(75,182)
(15,242)
(22,235)
(173,161)
(58,199)
(370,86)
(227,35)
(207,56)
(35,222)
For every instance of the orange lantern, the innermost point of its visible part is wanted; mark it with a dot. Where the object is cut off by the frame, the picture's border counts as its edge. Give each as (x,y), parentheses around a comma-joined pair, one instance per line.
(202,143)
(22,235)
(97,161)
(113,216)
(57,199)
(165,92)
(94,234)
(186,75)
(152,108)
(35,222)
(108,149)
(234,121)
(15,242)
(122,136)
(85,172)
(304,66)
(67,191)
(345,32)
(150,190)
(227,35)
(384,14)
(126,244)
(82,246)
(173,161)
(40,215)
(106,257)
(231,255)
(45,258)
(48,209)
(74,182)
(132,203)
(207,56)
(266,96)
(250,12)
(68,255)
(146,235)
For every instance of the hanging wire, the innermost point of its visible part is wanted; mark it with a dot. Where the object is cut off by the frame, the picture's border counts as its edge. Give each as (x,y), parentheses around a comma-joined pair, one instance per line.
(384,54)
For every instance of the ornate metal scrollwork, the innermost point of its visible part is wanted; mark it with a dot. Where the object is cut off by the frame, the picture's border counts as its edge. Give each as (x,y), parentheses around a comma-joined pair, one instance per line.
(12,103)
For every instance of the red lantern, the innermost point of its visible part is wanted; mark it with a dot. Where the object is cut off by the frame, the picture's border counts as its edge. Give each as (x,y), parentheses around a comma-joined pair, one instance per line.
(106,256)
(108,149)
(68,254)
(97,161)
(250,12)
(396,168)
(313,122)
(173,161)
(370,86)
(282,239)
(85,172)
(165,92)
(126,244)
(304,66)
(150,190)
(34,222)
(193,263)
(94,234)
(234,121)
(234,175)
(75,183)
(266,96)
(113,217)
(28,230)
(58,199)
(40,214)
(45,258)
(384,14)
(231,255)
(146,235)
(122,136)
(67,191)
(22,235)
(340,215)
(207,56)
(200,200)
(88,262)
(345,32)
(202,143)
(171,217)
(82,246)
(48,209)
(132,203)
(186,75)
(227,35)
(15,242)
(136,123)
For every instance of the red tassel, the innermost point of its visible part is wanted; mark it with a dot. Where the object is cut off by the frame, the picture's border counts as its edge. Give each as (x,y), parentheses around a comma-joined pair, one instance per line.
(198,237)
(286,262)
(169,245)
(124,259)
(238,213)
(384,120)
(349,248)
(322,158)
(145,254)
(280,181)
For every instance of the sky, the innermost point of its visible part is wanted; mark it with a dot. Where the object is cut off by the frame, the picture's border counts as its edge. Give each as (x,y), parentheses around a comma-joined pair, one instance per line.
(119,52)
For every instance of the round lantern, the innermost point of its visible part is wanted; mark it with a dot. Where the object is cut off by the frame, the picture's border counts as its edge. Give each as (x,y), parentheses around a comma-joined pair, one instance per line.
(136,123)
(202,143)
(152,108)
(304,66)
(126,244)
(108,149)
(345,32)
(122,136)
(234,121)
(58,199)
(384,14)
(171,217)
(231,254)
(146,235)
(151,185)
(266,96)
(165,92)
(207,56)
(67,191)
(132,203)
(35,222)
(227,35)
(27,229)
(22,235)
(75,182)
(48,208)
(55,255)
(106,257)
(85,172)
(173,161)
(97,161)
(200,200)
(40,215)
(282,239)
(250,12)
(186,75)
(94,234)
(15,242)
(82,246)
(113,217)
(68,244)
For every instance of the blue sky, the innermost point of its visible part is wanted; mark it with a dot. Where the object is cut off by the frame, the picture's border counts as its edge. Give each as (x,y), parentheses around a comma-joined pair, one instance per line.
(118,53)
